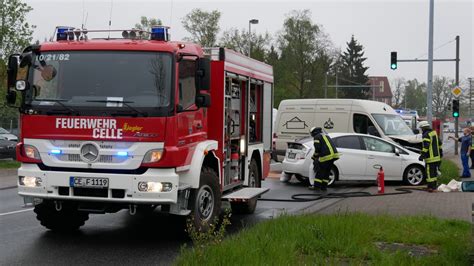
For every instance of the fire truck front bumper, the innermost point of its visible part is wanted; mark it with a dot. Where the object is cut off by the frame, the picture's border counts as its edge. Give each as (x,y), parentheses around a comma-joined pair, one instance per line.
(155,186)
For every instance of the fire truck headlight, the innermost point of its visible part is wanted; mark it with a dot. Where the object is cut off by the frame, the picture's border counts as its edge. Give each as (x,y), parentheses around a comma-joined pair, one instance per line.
(155,186)
(30,181)
(153,156)
(31,152)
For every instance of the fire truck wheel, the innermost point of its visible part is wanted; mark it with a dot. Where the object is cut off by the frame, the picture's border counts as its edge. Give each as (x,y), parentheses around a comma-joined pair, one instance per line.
(205,202)
(67,219)
(254,181)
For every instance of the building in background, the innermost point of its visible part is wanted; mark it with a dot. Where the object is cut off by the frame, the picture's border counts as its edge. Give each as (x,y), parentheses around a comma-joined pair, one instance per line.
(383,92)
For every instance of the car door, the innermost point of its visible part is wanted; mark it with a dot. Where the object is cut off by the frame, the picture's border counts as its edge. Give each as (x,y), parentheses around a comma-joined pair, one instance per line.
(382,153)
(353,160)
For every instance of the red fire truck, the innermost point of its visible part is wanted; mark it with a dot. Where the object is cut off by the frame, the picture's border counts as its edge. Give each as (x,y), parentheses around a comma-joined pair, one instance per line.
(127,123)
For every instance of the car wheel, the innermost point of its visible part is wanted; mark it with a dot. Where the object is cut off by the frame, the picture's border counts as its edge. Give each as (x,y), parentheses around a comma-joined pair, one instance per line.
(302,179)
(333,175)
(414,175)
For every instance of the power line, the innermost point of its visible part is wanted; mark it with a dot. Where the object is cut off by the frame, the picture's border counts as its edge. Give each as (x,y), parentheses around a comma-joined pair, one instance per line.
(437,48)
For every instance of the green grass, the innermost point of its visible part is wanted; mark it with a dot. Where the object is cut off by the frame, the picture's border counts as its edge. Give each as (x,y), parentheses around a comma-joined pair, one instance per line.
(341,239)
(449,170)
(9,164)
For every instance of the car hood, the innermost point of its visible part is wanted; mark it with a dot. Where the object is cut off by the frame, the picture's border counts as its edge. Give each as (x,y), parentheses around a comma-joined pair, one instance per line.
(9,136)
(408,138)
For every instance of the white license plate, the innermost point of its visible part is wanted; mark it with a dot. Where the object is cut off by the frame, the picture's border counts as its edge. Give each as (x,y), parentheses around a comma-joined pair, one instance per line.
(90,182)
(291,155)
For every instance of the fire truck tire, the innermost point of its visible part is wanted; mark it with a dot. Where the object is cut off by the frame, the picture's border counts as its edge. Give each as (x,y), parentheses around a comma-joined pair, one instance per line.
(205,201)
(67,219)
(254,181)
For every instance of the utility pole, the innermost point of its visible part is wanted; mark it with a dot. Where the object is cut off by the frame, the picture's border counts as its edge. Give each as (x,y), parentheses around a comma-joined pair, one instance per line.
(336,84)
(252,21)
(470,100)
(429,98)
(326,86)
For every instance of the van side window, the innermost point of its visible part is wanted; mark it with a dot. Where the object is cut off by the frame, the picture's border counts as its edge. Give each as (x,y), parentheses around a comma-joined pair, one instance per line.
(187,86)
(348,142)
(362,123)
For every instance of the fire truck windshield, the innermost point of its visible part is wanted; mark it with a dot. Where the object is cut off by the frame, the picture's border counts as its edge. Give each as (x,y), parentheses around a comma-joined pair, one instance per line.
(103,80)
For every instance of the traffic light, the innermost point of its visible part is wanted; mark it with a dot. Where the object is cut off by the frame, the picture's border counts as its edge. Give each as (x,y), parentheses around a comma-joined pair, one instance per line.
(455,108)
(393,60)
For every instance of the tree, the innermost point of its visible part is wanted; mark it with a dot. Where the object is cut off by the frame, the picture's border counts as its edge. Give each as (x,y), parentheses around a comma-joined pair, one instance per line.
(146,24)
(398,86)
(240,40)
(15,34)
(415,96)
(442,95)
(301,46)
(203,26)
(352,71)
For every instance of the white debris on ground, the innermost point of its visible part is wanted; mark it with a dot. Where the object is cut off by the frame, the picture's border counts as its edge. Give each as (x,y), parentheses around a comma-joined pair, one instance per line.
(452,186)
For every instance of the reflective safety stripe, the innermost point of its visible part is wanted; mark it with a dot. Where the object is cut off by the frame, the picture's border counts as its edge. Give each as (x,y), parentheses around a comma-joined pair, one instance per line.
(331,154)
(316,141)
(434,148)
(318,180)
(325,181)
(429,179)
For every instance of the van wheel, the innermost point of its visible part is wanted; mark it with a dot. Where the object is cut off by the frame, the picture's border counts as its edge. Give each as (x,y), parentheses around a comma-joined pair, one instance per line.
(254,181)
(205,202)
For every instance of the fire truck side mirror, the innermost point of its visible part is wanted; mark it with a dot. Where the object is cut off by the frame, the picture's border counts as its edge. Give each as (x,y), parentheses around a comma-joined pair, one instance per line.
(12,70)
(203,74)
(203,100)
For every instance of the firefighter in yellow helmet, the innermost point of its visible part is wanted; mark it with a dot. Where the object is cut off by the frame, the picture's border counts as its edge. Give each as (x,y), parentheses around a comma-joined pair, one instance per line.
(431,153)
(325,153)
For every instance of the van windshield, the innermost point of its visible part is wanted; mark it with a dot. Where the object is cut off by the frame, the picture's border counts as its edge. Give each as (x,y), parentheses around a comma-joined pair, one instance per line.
(392,125)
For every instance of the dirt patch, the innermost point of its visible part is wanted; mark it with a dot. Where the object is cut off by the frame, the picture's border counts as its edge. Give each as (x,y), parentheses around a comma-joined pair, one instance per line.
(411,249)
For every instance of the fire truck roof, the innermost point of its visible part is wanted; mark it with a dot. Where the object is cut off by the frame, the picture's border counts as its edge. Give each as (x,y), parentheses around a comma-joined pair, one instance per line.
(124,45)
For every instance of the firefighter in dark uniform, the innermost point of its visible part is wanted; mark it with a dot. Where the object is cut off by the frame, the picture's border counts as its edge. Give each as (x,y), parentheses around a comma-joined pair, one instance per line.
(325,153)
(431,153)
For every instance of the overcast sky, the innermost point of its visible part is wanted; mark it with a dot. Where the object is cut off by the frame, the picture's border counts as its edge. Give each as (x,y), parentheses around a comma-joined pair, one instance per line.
(380,26)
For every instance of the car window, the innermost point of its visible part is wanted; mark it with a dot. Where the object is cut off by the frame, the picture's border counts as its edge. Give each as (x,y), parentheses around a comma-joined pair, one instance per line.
(348,142)
(372,144)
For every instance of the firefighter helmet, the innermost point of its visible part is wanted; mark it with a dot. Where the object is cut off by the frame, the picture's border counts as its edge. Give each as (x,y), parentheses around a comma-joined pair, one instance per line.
(424,124)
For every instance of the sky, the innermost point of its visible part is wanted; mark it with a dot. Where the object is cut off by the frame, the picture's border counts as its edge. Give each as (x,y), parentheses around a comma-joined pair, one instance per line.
(381,26)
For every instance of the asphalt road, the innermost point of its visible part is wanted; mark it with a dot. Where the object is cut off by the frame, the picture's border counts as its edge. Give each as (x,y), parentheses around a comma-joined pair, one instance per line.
(120,238)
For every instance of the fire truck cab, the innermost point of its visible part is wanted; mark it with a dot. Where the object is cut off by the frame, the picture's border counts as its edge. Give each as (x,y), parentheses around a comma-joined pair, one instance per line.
(139,123)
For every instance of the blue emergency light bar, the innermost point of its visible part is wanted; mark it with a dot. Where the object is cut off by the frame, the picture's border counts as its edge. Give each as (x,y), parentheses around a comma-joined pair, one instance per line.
(63,33)
(159,33)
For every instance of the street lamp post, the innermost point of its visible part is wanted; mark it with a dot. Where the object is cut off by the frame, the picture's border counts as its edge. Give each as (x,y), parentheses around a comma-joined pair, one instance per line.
(252,21)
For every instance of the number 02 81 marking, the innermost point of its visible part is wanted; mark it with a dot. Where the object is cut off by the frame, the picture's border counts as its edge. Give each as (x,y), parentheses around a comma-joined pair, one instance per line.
(53,57)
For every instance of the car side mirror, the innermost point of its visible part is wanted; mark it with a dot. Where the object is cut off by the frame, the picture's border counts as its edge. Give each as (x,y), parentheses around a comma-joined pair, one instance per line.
(397,151)
(203,100)
(416,131)
(203,74)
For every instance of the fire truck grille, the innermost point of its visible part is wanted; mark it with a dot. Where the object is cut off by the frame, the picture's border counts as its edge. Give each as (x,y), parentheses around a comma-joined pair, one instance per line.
(102,158)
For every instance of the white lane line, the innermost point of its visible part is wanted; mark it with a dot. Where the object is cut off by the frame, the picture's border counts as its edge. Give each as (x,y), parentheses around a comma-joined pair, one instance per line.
(8,213)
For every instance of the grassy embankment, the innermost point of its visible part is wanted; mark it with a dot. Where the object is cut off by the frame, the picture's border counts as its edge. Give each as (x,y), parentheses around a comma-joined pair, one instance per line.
(342,239)
(9,164)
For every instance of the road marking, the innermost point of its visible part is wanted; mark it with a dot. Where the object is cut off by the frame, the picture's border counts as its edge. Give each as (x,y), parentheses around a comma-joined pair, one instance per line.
(13,212)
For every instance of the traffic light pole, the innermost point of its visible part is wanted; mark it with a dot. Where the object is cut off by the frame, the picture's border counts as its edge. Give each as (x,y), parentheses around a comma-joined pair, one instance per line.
(456,119)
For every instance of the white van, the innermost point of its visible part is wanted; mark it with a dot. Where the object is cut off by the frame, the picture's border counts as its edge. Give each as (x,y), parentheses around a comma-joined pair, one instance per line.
(296,117)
